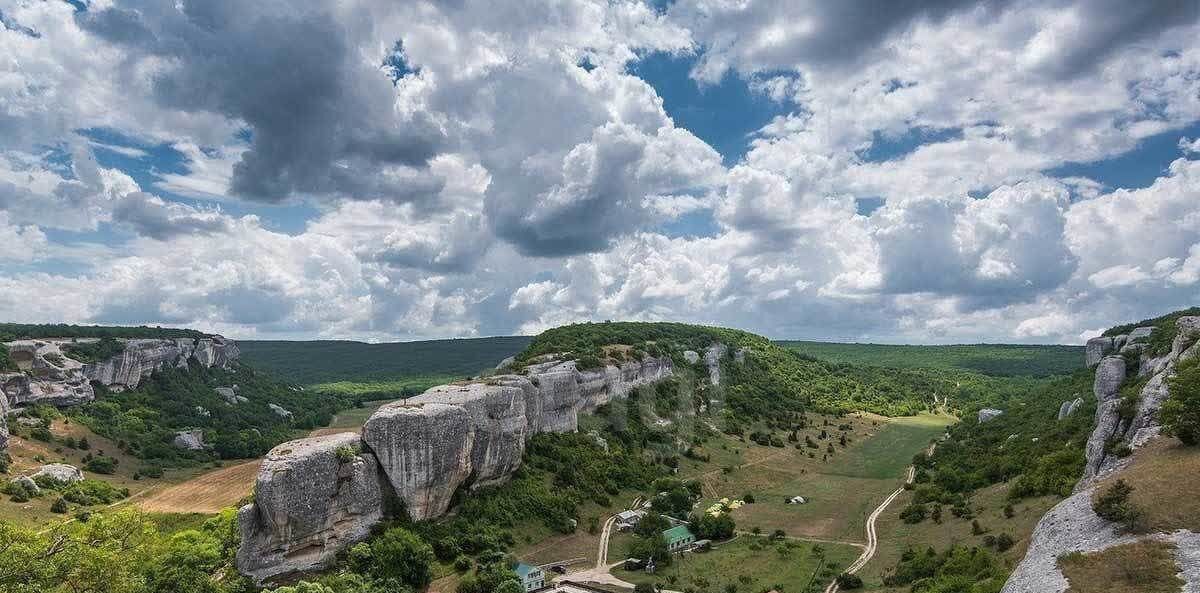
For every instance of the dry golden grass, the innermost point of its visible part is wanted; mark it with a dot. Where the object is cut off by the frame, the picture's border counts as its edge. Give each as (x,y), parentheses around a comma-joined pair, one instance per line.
(1165,477)
(207,493)
(1146,566)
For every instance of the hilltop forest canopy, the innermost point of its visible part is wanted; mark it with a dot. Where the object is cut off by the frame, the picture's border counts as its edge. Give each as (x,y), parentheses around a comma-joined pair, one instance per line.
(327,361)
(999,360)
(775,380)
(28,331)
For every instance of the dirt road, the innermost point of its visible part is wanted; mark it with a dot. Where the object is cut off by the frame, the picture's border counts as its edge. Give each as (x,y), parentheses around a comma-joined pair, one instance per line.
(872,539)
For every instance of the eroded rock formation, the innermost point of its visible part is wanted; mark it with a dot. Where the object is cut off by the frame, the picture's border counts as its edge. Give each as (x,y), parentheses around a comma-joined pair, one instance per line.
(47,375)
(3,421)
(1072,525)
(423,449)
(313,498)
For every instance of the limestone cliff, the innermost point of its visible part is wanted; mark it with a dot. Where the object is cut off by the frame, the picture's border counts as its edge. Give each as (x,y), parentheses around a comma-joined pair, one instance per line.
(47,375)
(313,498)
(1072,526)
(426,448)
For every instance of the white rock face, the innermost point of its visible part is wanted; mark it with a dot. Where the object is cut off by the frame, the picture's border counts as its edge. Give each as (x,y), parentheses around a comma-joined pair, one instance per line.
(1096,349)
(691,356)
(1140,334)
(48,376)
(192,440)
(1072,526)
(451,437)
(3,422)
(60,471)
(280,411)
(1068,407)
(988,414)
(712,359)
(309,503)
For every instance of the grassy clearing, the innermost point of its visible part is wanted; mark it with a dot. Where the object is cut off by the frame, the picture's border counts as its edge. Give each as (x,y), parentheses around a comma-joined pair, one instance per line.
(206,493)
(412,385)
(988,503)
(1146,566)
(751,564)
(1165,476)
(29,454)
(889,453)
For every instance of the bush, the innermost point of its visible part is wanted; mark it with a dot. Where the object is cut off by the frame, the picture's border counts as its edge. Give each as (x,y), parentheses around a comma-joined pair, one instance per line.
(1113,505)
(102,465)
(59,506)
(1180,414)
(397,555)
(913,513)
(849,581)
(92,492)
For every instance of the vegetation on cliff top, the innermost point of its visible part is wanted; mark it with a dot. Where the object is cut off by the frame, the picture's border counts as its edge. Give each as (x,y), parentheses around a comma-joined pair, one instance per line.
(24,331)
(1000,360)
(1164,329)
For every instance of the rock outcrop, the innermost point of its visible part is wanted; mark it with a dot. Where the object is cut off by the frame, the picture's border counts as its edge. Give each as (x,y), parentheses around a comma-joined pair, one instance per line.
(988,414)
(1072,525)
(712,360)
(1068,408)
(313,498)
(47,375)
(1096,349)
(3,422)
(191,440)
(62,472)
(423,450)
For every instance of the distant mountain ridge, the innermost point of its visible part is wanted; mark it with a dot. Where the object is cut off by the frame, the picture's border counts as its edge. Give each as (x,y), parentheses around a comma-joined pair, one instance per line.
(327,361)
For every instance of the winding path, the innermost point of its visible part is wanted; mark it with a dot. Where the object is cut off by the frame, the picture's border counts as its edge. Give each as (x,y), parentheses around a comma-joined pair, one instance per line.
(872,539)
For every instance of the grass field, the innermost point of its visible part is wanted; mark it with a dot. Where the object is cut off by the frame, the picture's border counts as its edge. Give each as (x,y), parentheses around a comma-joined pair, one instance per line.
(1165,477)
(840,492)
(895,535)
(1146,566)
(1003,360)
(751,564)
(206,493)
(413,384)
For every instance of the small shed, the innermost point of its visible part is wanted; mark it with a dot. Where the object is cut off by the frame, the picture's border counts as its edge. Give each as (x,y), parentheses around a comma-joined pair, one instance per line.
(627,520)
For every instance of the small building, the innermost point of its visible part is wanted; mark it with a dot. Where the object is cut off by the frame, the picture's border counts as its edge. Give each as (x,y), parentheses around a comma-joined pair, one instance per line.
(532,577)
(678,538)
(627,520)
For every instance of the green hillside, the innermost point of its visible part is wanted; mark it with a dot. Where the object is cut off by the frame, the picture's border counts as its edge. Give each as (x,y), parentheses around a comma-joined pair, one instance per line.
(333,361)
(999,360)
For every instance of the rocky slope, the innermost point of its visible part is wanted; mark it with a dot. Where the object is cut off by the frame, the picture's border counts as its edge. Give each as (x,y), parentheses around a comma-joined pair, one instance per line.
(1072,526)
(47,375)
(421,451)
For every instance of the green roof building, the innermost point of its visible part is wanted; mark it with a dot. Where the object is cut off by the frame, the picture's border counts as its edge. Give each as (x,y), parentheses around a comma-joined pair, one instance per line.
(532,577)
(678,538)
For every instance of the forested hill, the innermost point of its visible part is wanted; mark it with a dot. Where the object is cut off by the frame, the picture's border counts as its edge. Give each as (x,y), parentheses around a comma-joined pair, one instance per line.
(329,361)
(999,360)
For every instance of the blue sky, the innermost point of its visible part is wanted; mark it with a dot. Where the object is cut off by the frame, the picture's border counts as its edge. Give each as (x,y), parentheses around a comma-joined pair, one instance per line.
(450,173)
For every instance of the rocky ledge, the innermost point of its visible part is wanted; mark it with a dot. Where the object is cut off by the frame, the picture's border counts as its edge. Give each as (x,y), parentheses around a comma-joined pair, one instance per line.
(422,450)
(47,375)
(1072,525)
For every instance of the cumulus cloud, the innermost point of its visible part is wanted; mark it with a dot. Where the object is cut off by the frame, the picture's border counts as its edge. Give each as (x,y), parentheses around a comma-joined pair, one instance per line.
(153,217)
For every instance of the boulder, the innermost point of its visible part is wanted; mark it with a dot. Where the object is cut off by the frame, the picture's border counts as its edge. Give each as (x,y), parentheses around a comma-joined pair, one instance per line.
(1068,407)
(425,452)
(691,356)
(1096,349)
(28,485)
(192,440)
(67,474)
(313,498)
(230,395)
(1140,334)
(989,414)
(280,411)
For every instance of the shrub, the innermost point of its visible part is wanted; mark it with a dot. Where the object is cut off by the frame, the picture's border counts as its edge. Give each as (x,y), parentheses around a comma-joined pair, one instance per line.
(849,581)
(913,513)
(1180,414)
(102,465)
(1113,505)
(59,506)
(346,453)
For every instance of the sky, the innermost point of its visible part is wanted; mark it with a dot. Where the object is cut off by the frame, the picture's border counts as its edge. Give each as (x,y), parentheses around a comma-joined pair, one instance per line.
(907,172)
